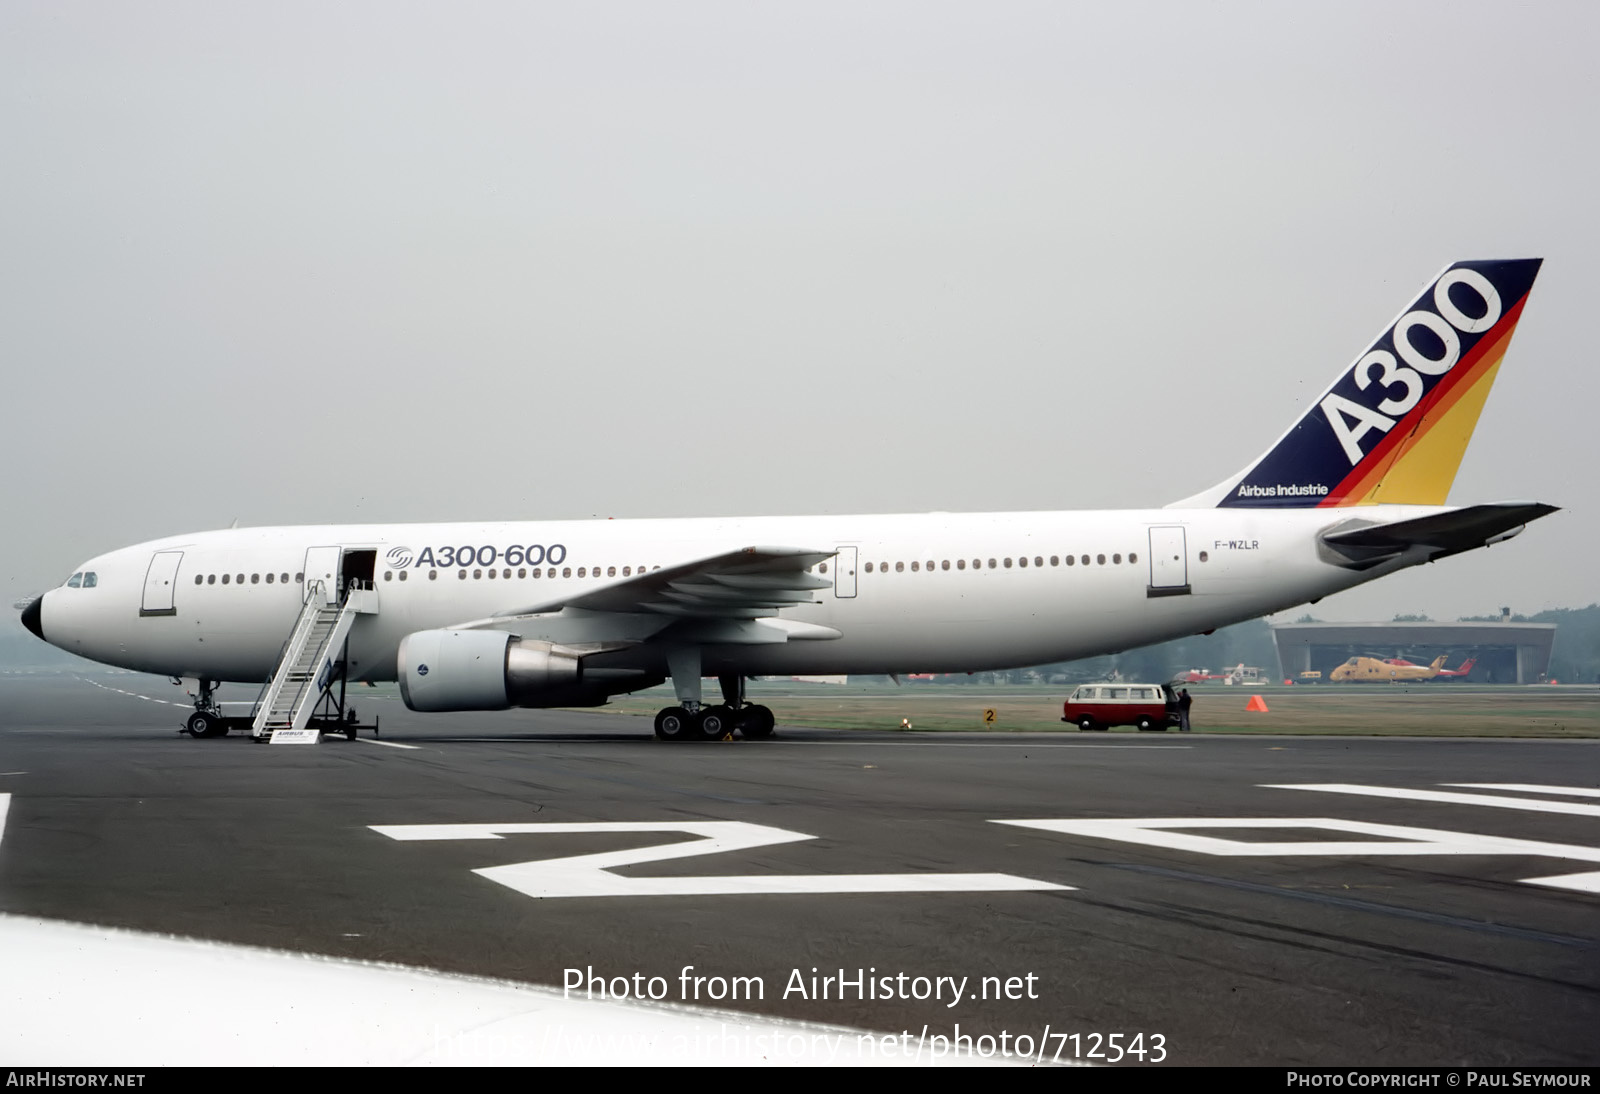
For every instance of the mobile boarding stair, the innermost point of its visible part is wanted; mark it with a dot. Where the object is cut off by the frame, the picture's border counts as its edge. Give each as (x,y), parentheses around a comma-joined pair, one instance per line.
(300,702)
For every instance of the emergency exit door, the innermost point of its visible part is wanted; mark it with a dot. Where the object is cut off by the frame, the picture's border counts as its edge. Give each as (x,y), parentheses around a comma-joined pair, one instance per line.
(160,581)
(1169,562)
(844,573)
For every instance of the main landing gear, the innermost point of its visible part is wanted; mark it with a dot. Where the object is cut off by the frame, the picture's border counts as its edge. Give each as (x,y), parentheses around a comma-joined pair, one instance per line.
(718,723)
(692,721)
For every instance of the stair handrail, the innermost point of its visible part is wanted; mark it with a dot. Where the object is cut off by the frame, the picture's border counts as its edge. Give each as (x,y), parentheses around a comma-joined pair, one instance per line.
(309,610)
(337,635)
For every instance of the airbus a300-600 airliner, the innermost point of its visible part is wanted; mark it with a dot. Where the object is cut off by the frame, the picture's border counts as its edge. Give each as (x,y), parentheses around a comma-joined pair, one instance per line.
(489,616)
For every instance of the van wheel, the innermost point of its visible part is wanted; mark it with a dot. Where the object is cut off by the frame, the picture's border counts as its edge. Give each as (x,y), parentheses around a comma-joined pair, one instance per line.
(1086,724)
(1147,724)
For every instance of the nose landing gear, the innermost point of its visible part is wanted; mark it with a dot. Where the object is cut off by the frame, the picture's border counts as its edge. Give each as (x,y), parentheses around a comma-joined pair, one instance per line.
(207,719)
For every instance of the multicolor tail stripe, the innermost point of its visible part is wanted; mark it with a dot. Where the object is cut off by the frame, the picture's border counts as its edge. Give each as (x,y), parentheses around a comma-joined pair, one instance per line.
(1393,428)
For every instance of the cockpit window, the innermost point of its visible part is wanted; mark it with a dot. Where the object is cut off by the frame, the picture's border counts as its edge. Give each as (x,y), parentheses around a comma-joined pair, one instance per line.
(75,581)
(90,580)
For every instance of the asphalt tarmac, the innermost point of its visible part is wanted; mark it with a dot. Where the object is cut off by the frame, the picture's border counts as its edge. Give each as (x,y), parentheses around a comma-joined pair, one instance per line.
(874,859)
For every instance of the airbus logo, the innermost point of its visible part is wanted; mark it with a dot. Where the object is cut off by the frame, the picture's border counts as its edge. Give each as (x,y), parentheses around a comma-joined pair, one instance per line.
(399,557)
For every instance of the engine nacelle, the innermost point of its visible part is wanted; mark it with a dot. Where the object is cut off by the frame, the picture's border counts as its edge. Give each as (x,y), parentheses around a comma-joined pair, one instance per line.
(485,670)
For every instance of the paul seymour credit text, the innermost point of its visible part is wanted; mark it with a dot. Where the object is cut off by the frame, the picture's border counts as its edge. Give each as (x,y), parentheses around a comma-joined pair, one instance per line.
(808,984)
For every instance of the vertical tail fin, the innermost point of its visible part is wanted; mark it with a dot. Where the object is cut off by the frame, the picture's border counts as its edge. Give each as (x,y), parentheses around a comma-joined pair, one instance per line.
(1393,427)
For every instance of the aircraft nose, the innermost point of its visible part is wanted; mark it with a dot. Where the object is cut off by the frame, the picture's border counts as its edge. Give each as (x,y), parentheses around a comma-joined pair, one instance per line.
(31,617)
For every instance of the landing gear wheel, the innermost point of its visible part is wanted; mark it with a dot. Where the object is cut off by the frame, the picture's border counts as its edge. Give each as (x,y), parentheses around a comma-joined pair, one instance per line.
(714,723)
(202,724)
(756,722)
(673,724)
(1086,724)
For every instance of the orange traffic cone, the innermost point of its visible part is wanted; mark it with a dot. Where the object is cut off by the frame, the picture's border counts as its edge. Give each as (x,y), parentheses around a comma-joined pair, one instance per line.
(1256,703)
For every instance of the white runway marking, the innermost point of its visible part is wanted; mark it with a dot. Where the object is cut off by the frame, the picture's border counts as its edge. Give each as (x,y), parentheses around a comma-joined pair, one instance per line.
(134,694)
(1493,801)
(5,807)
(1583,883)
(1533,788)
(1394,840)
(590,875)
(388,744)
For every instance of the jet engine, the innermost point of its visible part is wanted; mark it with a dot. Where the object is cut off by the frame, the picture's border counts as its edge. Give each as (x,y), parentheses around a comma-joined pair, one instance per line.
(449,670)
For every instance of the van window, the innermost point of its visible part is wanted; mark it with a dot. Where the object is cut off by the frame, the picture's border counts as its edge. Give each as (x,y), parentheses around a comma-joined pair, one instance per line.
(1119,693)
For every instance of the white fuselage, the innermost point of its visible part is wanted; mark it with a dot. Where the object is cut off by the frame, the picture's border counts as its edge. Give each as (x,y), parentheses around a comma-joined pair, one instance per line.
(927,597)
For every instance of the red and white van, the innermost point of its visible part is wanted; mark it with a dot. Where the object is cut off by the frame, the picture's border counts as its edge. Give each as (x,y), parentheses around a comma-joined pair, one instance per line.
(1151,707)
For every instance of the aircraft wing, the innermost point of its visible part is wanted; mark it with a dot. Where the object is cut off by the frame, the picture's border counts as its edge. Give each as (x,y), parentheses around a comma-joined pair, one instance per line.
(732,597)
(1358,544)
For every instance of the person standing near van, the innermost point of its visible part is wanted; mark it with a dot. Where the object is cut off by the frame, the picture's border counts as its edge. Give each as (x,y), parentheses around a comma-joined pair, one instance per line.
(1184,703)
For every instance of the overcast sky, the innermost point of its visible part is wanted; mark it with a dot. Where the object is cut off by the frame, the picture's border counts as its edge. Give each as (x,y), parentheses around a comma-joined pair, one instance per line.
(302,263)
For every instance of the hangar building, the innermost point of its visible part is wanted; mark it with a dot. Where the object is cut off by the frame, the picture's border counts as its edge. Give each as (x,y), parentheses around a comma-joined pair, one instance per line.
(1507,653)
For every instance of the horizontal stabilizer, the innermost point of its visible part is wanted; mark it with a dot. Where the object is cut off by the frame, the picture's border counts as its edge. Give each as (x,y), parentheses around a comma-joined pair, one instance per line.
(1359,545)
